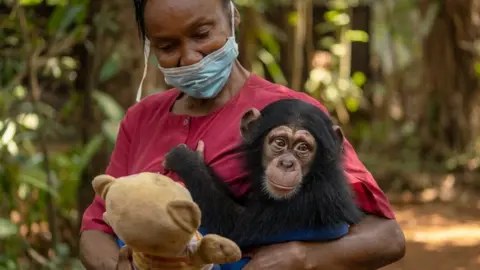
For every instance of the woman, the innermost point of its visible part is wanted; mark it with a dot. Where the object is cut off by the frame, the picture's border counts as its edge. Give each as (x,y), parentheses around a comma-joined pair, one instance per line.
(194,42)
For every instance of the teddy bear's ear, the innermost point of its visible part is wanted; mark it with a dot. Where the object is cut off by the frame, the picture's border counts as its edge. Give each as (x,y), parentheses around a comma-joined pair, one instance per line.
(185,214)
(101,184)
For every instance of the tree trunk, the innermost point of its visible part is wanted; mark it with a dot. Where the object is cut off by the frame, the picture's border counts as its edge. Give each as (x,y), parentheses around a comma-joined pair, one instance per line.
(449,124)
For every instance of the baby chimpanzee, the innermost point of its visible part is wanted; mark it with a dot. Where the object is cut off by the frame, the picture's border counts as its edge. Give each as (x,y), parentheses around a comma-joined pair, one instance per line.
(298,188)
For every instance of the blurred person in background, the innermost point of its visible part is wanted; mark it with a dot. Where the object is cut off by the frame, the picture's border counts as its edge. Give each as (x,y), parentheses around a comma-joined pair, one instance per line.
(194,42)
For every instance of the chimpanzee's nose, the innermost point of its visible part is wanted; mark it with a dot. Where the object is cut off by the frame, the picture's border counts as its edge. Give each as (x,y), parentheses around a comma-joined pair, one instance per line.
(287,164)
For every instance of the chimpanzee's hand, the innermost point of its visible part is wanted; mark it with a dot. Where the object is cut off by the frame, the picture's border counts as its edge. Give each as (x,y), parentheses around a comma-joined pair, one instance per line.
(181,157)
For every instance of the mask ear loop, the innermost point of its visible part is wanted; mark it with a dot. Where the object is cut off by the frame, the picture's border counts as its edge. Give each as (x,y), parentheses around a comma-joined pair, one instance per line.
(232,7)
(146,54)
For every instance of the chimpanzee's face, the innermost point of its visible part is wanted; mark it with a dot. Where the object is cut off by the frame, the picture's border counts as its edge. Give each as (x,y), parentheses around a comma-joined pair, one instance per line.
(288,153)
(288,149)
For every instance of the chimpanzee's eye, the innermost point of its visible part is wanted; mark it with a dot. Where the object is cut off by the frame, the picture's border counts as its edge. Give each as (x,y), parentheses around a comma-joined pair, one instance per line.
(280,142)
(302,148)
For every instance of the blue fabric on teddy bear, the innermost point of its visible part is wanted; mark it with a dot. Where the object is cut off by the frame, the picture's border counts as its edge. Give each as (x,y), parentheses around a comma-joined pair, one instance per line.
(318,235)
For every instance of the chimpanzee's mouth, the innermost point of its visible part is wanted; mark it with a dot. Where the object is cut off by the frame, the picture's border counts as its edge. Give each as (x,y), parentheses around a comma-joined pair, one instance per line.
(281,187)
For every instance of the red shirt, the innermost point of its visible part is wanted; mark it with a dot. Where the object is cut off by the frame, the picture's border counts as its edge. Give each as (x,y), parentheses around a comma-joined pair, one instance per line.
(149,130)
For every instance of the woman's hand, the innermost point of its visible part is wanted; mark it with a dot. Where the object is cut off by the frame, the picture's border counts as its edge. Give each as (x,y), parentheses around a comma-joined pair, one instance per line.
(285,256)
(292,256)
(98,250)
(200,148)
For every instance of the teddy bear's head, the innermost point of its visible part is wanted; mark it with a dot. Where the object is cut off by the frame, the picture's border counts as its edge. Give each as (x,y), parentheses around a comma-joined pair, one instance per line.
(149,212)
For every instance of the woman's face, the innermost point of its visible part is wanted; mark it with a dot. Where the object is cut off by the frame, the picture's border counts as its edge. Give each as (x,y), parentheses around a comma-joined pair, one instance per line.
(182,32)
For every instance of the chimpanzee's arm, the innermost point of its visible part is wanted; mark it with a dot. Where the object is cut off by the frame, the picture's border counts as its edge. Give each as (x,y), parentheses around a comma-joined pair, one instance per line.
(219,209)
(260,222)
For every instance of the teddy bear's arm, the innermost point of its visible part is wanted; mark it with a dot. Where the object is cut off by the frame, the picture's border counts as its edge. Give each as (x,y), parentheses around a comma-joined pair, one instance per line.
(216,201)
(215,249)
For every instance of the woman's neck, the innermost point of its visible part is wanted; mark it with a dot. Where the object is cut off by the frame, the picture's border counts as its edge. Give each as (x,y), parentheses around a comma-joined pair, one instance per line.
(197,107)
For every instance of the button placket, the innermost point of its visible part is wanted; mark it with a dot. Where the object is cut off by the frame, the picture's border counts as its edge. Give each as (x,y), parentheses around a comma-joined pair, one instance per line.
(186,121)
(184,128)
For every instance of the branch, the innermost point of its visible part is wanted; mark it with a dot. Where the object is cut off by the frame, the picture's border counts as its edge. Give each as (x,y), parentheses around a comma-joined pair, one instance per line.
(37,257)
(62,46)
(299,44)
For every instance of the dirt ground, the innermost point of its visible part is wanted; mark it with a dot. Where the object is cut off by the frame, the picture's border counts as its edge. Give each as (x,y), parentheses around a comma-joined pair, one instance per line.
(440,237)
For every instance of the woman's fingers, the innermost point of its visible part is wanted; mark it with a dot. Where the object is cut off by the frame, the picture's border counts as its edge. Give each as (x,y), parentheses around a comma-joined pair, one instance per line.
(200,147)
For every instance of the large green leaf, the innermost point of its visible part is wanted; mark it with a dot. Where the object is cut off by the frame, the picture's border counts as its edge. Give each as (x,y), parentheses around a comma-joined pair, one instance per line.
(89,150)
(110,129)
(111,67)
(56,2)
(36,177)
(65,17)
(269,42)
(108,105)
(30,2)
(7,228)
(272,66)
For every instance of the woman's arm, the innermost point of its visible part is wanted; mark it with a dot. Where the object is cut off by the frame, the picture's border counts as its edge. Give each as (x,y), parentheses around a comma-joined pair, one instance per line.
(371,244)
(98,250)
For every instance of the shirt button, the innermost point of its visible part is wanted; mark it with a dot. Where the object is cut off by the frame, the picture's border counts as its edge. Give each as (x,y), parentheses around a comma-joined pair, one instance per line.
(185,121)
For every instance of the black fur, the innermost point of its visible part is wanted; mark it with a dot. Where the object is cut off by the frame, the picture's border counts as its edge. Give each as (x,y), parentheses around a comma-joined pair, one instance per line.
(324,199)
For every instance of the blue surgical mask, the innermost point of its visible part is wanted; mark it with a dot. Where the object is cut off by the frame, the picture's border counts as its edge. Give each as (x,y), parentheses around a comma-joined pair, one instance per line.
(206,78)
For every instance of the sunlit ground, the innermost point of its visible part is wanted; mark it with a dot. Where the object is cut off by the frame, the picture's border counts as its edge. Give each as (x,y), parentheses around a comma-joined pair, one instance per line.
(440,237)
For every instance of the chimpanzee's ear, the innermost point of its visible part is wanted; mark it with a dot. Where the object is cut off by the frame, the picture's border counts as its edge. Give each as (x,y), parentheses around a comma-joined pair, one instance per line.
(340,136)
(339,132)
(248,117)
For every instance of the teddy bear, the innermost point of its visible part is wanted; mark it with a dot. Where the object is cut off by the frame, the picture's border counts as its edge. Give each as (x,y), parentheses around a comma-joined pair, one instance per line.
(158,221)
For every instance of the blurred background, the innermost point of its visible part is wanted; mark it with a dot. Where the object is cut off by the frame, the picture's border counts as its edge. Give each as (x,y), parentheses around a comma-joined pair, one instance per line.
(400,76)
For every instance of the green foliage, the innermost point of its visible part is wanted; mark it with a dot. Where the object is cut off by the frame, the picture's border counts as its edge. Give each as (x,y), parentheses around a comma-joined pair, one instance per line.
(42,158)
(111,67)
(7,228)
(113,112)
(341,92)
